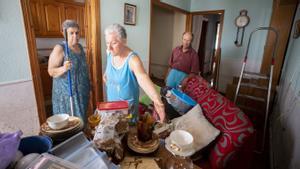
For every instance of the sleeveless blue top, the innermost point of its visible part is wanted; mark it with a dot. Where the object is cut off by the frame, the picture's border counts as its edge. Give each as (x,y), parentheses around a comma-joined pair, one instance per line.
(80,87)
(121,84)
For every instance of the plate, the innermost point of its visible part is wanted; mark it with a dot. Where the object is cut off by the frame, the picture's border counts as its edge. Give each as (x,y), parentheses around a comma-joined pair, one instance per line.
(142,147)
(74,122)
(176,151)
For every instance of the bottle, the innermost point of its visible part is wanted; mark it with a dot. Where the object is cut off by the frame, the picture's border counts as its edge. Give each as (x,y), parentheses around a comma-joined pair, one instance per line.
(145,127)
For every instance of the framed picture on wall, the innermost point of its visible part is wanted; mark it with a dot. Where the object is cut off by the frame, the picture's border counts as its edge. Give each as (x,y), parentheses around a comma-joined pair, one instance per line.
(297,29)
(129,14)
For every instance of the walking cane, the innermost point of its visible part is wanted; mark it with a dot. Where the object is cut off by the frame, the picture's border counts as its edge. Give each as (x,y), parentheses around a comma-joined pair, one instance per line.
(69,73)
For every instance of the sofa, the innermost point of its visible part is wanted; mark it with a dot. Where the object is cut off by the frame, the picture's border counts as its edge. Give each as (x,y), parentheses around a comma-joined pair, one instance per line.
(234,146)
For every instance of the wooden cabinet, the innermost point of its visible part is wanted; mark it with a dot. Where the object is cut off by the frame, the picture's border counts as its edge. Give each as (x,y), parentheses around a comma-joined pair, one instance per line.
(76,13)
(35,15)
(48,15)
(53,17)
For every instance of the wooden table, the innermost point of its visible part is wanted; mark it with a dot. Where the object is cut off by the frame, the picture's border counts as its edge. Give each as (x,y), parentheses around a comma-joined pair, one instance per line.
(161,153)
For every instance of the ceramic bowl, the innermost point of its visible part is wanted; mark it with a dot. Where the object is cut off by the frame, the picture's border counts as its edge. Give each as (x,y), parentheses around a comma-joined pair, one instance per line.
(58,121)
(181,139)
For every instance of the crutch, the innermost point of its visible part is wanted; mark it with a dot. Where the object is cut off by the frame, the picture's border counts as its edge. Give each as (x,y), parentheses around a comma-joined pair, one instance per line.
(69,73)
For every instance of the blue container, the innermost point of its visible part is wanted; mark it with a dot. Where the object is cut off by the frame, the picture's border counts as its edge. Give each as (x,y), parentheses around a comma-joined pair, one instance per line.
(183,102)
(35,144)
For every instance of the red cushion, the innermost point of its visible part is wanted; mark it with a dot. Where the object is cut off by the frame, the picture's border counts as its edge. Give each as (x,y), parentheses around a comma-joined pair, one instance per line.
(235,126)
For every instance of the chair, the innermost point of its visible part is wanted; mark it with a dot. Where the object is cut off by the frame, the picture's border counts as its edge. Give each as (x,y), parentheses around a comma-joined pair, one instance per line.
(236,129)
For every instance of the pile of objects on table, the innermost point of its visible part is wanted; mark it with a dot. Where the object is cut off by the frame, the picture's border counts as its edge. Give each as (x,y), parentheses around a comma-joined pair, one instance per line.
(38,152)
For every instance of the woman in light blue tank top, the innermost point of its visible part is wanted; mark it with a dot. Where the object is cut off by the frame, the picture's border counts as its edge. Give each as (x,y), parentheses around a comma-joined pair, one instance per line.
(122,84)
(125,73)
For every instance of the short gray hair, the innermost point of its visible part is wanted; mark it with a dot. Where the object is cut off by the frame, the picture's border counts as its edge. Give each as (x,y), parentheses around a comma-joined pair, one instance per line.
(69,24)
(116,28)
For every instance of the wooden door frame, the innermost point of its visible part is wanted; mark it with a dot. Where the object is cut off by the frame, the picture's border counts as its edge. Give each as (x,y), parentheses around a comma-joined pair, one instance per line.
(93,55)
(34,63)
(93,40)
(283,12)
(189,26)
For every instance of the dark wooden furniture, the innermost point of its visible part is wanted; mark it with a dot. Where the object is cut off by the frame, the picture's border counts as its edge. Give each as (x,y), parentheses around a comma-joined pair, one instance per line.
(48,15)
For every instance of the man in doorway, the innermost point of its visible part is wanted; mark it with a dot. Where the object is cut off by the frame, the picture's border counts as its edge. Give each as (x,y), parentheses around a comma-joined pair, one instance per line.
(183,62)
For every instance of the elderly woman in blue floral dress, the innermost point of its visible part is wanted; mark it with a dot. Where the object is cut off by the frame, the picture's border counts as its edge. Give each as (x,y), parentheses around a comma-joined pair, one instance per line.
(58,67)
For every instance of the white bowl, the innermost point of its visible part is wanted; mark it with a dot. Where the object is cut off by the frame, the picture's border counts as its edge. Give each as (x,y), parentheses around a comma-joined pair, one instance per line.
(58,121)
(181,139)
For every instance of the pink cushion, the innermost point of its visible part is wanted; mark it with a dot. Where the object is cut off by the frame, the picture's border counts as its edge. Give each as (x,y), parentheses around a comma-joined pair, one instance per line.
(235,126)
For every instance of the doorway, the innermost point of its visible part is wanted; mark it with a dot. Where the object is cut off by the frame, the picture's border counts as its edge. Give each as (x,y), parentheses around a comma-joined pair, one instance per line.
(201,49)
(207,30)
(41,83)
(163,41)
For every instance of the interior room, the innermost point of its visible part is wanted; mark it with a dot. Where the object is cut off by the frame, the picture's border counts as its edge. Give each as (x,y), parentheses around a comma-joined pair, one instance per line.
(246,88)
(174,24)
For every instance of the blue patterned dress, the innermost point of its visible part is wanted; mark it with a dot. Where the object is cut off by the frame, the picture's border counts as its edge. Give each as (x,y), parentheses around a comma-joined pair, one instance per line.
(80,87)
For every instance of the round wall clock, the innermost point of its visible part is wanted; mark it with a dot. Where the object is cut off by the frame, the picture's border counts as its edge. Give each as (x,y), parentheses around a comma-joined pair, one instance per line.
(241,22)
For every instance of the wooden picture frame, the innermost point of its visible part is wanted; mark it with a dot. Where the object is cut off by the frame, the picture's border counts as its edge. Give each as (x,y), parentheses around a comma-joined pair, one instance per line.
(297,29)
(129,14)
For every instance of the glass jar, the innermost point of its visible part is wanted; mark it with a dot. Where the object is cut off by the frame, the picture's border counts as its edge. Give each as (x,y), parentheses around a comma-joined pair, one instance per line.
(145,127)
(179,162)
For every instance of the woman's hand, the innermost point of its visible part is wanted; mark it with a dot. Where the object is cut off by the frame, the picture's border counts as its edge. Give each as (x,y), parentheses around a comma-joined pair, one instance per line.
(55,67)
(67,65)
(160,109)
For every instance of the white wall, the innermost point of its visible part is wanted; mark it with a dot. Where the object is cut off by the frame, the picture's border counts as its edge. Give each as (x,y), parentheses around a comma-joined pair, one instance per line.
(17,99)
(161,41)
(259,12)
(18,108)
(286,116)
(183,4)
(137,36)
(179,28)
(14,58)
